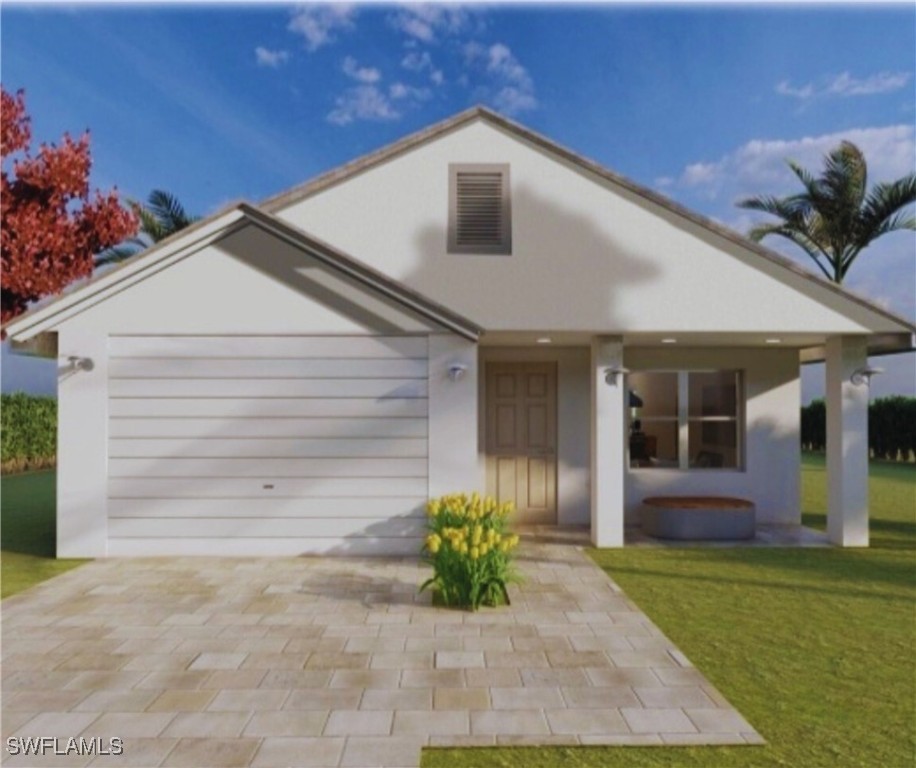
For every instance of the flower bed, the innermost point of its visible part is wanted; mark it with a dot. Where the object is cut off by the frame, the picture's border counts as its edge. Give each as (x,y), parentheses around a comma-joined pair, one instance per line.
(470,550)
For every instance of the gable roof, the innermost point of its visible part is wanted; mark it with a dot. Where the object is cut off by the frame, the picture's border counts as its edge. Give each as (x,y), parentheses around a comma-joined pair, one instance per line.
(46,315)
(367,162)
(182,244)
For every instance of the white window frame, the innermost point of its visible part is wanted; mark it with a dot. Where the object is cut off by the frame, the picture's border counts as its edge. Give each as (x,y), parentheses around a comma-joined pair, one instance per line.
(683,421)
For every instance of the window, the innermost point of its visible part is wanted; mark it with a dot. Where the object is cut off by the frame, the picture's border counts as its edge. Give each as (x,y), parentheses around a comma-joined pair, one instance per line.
(685,419)
(479,215)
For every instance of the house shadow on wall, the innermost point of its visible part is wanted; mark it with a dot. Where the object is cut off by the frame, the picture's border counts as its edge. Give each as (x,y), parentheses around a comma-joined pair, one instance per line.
(586,269)
(564,272)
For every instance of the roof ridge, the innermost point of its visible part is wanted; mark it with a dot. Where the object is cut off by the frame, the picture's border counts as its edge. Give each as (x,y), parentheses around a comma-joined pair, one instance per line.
(373,158)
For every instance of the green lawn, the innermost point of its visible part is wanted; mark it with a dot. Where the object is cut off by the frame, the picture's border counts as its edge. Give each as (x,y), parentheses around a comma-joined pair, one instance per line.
(27,534)
(814,647)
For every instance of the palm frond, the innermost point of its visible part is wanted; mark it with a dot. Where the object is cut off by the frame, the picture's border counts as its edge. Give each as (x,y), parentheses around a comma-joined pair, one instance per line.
(846,175)
(115,255)
(795,207)
(166,207)
(804,176)
(169,214)
(151,225)
(882,210)
(835,217)
(802,239)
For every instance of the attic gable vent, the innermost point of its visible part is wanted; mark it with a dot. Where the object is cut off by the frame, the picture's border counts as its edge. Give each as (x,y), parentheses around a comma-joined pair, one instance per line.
(479,210)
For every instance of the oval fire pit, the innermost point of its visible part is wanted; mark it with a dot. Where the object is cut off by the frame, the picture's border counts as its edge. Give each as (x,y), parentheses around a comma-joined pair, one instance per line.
(697,518)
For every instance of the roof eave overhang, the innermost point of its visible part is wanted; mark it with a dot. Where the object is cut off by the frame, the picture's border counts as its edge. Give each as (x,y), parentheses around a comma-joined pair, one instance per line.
(26,329)
(879,345)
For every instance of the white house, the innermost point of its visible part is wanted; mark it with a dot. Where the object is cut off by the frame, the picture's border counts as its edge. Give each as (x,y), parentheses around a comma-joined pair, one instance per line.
(473,307)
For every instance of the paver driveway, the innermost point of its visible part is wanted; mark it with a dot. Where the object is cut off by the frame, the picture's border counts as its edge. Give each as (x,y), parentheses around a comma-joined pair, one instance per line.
(333,661)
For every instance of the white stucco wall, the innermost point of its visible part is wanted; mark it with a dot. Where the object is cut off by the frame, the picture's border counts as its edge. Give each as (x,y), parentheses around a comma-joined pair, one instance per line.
(771,472)
(586,255)
(248,282)
(82,444)
(573,423)
(453,410)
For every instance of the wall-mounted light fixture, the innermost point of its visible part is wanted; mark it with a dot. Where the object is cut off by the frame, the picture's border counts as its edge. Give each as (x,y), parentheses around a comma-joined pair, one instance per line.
(456,371)
(862,376)
(611,374)
(80,363)
(74,365)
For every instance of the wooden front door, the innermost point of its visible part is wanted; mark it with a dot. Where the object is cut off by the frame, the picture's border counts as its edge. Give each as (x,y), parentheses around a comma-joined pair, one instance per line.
(521,429)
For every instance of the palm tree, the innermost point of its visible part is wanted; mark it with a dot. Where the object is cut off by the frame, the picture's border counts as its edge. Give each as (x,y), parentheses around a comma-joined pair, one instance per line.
(162,216)
(835,217)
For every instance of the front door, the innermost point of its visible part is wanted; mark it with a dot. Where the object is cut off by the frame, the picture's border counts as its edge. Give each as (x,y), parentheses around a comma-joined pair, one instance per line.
(521,430)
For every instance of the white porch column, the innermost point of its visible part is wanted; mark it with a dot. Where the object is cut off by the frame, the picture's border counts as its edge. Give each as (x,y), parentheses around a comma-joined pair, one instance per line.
(607,454)
(847,443)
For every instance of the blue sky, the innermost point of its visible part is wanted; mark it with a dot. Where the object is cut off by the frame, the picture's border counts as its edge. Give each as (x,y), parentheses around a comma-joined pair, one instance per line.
(702,103)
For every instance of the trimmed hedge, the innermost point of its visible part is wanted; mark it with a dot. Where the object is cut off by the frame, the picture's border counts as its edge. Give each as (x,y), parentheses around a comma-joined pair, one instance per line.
(891,427)
(28,432)
(814,426)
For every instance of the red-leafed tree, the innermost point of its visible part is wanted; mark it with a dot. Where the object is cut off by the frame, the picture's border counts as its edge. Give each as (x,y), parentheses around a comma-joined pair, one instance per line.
(52,225)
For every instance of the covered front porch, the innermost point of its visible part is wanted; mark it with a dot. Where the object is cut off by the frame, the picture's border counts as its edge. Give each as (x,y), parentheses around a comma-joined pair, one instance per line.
(759,454)
(731,428)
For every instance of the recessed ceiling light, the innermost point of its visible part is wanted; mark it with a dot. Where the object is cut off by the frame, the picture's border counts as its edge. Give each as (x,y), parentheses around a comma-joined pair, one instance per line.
(544,340)
(774,341)
(669,341)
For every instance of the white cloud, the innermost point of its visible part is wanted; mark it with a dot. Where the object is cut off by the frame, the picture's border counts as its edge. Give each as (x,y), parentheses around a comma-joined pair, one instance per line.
(362,102)
(513,89)
(400,91)
(502,62)
(417,61)
(758,167)
(512,100)
(785,88)
(317,24)
(429,23)
(473,51)
(360,74)
(421,61)
(268,58)
(883,82)
(845,84)
(697,174)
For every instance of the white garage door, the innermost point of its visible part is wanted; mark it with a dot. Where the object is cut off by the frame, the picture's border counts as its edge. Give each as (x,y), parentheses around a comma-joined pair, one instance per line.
(266,445)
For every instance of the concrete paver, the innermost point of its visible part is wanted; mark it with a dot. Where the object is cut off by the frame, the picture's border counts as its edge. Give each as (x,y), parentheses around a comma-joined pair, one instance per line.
(339,662)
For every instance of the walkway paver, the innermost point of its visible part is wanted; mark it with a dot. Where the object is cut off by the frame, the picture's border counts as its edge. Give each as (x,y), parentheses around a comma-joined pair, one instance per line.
(338,662)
